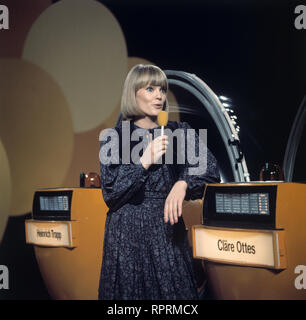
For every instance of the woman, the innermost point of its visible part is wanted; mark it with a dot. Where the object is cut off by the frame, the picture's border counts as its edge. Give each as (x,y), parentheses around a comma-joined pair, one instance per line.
(146,253)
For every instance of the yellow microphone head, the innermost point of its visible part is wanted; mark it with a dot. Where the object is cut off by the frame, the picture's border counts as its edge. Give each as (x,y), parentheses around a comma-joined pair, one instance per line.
(162,118)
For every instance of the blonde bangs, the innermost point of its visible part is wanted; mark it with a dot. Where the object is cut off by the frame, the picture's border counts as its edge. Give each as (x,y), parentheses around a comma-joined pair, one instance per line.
(139,77)
(151,76)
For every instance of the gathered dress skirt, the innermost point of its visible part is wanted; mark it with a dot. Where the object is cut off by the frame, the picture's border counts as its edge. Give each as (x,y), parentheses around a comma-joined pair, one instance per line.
(144,257)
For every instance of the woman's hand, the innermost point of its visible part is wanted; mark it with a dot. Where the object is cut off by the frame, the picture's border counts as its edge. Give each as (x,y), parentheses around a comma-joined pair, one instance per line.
(174,202)
(154,150)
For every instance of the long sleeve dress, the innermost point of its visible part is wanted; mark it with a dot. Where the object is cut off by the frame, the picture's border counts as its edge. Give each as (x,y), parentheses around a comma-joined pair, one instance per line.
(144,257)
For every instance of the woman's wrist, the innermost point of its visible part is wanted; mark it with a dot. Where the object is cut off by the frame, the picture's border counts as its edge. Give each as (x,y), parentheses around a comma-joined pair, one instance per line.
(145,165)
(183,184)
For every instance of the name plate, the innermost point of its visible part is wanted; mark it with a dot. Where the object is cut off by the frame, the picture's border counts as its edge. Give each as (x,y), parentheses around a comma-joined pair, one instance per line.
(51,234)
(261,248)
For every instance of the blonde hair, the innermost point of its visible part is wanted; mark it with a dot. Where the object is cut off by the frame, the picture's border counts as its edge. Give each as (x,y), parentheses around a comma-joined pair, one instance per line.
(138,77)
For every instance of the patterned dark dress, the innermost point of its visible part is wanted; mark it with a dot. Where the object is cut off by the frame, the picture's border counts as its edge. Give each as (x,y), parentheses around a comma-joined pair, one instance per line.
(144,257)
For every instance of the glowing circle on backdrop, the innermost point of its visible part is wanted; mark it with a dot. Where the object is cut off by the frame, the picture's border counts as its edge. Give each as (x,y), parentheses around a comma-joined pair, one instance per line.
(5,189)
(36,130)
(85,156)
(81,44)
(22,14)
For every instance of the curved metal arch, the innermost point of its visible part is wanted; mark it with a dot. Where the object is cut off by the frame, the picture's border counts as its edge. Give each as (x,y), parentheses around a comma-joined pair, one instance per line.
(294,140)
(220,116)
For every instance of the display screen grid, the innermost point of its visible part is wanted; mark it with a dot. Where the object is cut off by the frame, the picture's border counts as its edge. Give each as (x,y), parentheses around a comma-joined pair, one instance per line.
(55,203)
(242,203)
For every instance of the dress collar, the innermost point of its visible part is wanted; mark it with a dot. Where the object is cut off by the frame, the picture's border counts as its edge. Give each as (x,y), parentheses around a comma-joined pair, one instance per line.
(137,127)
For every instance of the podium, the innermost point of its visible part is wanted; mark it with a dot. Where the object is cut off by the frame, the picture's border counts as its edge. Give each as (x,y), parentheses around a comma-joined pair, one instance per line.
(67,231)
(253,241)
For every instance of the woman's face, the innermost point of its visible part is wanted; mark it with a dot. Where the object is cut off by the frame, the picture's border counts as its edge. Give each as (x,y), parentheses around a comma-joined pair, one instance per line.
(150,99)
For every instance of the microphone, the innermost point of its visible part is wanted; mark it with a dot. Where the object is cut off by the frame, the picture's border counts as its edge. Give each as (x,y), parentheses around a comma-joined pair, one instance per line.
(162,119)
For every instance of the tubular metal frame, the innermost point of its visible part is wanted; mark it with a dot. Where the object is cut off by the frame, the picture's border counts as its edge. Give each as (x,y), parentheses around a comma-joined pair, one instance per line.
(219,114)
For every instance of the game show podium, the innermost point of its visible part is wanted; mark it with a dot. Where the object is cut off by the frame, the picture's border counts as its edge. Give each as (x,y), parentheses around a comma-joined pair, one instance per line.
(253,240)
(67,231)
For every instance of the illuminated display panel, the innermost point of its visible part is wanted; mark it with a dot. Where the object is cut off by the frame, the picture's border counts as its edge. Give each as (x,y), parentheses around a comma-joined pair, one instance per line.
(59,203)
(242,203)
(52,205)
(240,206)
